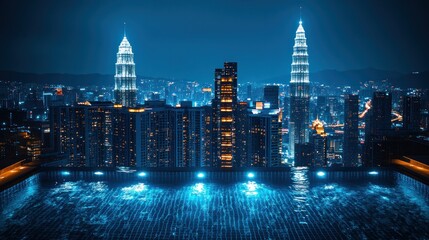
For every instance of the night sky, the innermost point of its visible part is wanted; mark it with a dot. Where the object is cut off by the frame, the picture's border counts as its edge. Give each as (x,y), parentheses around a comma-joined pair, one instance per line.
(188,39)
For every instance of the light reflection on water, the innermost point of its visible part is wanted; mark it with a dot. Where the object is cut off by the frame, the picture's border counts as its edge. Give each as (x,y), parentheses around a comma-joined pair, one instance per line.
(250,188)
(300,189)
(250,209)
(198,188)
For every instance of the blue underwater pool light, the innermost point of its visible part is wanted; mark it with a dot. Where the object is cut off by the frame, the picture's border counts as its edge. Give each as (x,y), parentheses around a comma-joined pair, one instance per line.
(98,173)
(321,174)
(142,174)
(201,175)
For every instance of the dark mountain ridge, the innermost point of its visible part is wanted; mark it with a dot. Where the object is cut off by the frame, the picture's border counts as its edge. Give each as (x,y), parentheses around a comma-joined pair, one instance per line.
(329,77)
(354,77)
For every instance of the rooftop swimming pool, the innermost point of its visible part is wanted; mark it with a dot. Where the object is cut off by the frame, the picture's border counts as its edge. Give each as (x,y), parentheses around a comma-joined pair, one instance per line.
(299,204)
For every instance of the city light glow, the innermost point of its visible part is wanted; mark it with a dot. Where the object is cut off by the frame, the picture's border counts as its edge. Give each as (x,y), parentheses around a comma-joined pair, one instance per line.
(135,188)
(198,188)
(201,175)
(251,188)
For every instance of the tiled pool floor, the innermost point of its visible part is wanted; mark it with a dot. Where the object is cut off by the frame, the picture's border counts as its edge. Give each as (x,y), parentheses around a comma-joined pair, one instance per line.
(204,210)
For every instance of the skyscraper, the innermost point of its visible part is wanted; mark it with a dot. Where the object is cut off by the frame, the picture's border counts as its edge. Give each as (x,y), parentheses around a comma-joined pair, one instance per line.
(411,113)
(351,131)
(377,126)
(304,154)
(242,134)
(83,133)
(193,134)
(322,108)
(318,139)
(224,105)
(381,113)
(126,137)
(125,92)
(299,92)
(271,96)
(264,142)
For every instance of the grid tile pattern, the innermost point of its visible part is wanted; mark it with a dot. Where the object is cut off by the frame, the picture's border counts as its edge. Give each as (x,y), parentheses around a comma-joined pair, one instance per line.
(245,210)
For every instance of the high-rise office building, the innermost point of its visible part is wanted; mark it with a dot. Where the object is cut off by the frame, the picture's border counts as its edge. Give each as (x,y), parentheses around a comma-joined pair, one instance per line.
(162,146)
(242,134)
(377,126)
(351,130)
(304,154)
(100,134)
(126,139)
(334,151)
(177,128)
(193,131)
(322,109)
(249,91)
(271,96)
(83,133)
(264,144)
(411,113)
(208,135)
(333,110)
(224,105)
(318,139)
(299,92)
(381,112)
(125,92)
(77,141)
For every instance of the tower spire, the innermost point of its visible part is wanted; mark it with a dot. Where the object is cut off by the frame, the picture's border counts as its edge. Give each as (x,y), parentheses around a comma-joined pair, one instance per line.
(125,32)
(125,75)
(300,14)
(299,94)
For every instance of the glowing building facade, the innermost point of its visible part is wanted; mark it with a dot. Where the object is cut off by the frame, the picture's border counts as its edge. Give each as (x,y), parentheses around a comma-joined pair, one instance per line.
(125,92)
(318,139)
(224,106)
(299,93)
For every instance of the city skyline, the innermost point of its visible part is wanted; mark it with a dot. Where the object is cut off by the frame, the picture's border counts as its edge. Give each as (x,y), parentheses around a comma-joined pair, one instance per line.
(173,144)
(263,43)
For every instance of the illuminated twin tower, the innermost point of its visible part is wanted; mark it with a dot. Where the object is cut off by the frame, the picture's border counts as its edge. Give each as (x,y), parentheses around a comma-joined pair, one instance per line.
(299,93)
(125,92)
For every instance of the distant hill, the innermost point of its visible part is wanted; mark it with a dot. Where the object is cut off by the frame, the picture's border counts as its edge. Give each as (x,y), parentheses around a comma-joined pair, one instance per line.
(416,80)
(354,77)
(329,77)
(59,78)
(92,79)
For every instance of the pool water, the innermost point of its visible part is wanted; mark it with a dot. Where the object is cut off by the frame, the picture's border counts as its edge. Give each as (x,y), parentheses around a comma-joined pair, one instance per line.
(302,208)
